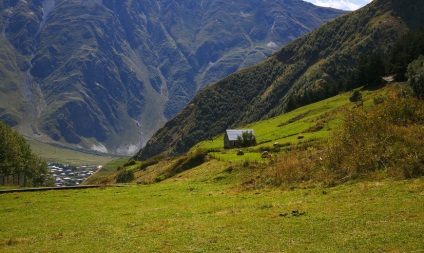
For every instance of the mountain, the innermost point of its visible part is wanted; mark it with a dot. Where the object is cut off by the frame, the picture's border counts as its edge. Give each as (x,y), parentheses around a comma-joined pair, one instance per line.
(308,69)
(105,75)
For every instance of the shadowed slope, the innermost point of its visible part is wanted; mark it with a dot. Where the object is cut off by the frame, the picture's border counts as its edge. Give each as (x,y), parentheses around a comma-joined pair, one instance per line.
(105,75)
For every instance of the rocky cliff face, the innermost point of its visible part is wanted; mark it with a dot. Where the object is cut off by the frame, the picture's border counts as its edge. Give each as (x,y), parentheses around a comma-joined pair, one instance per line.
(105,75)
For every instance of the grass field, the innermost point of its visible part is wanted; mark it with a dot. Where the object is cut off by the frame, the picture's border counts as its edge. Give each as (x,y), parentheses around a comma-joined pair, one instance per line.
(194,213)
(67,156)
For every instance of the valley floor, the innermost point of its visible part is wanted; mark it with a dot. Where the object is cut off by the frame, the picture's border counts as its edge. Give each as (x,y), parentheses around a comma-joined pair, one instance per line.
(215,216)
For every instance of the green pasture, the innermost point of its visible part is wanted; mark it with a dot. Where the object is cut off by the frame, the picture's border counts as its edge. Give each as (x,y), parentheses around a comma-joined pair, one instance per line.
(213,216)
(313,122)
(67,156)
(232,156)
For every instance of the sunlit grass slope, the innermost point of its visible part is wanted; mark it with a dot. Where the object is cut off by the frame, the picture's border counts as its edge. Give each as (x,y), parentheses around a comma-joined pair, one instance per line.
(105,172)
(304,127)
(311,123)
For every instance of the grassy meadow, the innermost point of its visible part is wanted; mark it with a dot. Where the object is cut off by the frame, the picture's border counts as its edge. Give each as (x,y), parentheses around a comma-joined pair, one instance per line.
(210,213)
(67,156)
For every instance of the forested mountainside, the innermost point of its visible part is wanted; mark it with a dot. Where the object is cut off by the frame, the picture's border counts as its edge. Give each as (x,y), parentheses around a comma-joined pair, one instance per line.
(315,66)
(105,75)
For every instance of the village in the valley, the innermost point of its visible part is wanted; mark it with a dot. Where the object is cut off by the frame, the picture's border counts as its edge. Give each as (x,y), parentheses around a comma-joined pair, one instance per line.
(66,175)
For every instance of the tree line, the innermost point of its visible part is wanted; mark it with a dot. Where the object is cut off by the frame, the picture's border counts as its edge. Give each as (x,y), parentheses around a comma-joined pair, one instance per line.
(17,158)
(404,62)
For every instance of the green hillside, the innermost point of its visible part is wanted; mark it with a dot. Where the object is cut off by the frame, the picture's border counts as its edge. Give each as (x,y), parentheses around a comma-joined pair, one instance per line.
(314,122)
(319,143)
(316,66)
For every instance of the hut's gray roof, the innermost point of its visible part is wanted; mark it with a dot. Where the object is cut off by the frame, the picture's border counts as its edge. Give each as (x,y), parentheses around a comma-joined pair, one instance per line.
(234,133)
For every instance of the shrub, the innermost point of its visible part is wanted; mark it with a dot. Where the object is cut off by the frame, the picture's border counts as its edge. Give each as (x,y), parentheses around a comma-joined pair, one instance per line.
(247,139)
(415,76)
(356,96)
(185,163)
(295,167)
(130,163)
(151,161)
(379,99)
(387,138)
(125,176)
(385,141)
(265,148)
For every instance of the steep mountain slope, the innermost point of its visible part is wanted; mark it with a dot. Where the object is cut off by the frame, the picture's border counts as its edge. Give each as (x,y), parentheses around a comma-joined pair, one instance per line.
(311,66)
(105,75)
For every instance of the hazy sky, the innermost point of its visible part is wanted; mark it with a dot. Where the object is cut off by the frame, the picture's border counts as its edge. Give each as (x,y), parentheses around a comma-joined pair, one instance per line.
(350,5)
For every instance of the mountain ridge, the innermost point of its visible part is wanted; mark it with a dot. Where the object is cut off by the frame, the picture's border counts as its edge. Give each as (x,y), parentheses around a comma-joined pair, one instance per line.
(105,75)
(310,68)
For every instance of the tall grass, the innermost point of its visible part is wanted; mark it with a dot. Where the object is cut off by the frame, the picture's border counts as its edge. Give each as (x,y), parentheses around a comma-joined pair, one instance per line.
(385,140)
